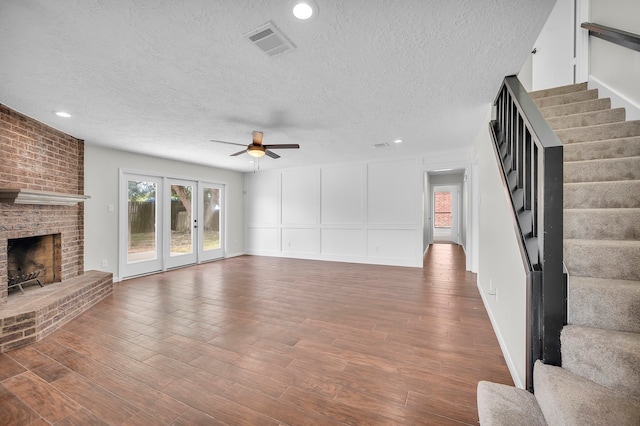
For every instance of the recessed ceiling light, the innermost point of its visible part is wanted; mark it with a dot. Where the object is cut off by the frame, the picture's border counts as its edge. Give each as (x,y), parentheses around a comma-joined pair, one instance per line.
(304,10)
(63,114)
(398,141)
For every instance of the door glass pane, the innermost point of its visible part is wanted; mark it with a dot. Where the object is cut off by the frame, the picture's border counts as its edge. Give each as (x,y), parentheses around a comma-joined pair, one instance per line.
(142,244)
(211,239)
(181,214)
(442,203)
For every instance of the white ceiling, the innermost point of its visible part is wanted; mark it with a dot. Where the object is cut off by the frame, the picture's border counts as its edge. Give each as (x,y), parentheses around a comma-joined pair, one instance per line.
(165,77)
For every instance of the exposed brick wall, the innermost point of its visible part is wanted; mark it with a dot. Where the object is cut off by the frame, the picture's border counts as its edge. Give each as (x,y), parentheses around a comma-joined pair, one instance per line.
(38,157)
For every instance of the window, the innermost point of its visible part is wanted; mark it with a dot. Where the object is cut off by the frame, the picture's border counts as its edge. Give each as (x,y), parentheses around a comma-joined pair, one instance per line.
(442,203)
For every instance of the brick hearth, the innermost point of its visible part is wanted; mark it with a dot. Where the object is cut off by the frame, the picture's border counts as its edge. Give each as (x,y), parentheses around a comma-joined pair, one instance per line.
(37,157)
(30,317)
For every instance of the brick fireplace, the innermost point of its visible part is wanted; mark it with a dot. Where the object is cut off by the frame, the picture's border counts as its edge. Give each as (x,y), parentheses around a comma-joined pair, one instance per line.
(41,207)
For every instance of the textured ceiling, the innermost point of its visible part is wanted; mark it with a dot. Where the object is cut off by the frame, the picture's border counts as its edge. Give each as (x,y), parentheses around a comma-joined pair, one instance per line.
(165,77)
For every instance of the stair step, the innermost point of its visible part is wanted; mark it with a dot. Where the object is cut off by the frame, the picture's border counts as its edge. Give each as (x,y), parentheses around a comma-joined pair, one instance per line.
(592,118)
(602,170)
(562,90)
(567,98)
(507,405)
(609,358)
(625,129)
(602,224)
(612,259)
(568,399)
(604,303)
(610,148)
(576,108)
(615,194)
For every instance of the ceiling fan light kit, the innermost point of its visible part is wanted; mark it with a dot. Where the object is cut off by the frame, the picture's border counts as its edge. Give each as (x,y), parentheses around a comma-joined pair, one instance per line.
(256,149)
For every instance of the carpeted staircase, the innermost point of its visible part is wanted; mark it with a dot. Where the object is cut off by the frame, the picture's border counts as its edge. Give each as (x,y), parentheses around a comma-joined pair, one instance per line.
(599,382)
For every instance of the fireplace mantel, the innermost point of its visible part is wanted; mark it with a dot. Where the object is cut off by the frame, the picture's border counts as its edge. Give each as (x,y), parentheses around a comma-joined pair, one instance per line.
(30,196)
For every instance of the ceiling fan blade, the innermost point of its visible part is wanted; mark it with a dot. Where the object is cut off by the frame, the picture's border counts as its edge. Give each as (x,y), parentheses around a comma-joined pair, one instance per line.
(283,146)
(228,143)
(238,153)
(271,154)
(257,137)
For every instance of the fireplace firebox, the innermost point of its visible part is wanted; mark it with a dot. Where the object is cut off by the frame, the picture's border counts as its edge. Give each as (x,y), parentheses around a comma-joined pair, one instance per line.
(34,259)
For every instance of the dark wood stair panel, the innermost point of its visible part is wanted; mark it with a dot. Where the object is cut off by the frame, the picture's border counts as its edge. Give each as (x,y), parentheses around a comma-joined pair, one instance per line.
(276,341)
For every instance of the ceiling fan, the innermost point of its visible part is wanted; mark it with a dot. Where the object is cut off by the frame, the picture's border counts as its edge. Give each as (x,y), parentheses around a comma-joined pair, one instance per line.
(256,149)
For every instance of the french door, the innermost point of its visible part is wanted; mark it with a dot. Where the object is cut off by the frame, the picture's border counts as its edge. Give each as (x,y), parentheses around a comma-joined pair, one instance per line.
(141,199)
(168,223)
(180,223)
(210,220)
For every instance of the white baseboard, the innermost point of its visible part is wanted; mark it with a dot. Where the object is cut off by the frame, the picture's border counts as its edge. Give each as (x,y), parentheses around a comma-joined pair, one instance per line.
(366,260)
(505,351)
(230,255)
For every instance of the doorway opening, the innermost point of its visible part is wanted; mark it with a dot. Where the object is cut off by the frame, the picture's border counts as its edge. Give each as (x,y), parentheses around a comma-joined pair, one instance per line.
(446,218)
(446,202)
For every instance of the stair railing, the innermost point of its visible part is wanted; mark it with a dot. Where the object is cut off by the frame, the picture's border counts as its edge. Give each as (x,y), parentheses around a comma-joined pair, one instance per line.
(530,158)
(613,35)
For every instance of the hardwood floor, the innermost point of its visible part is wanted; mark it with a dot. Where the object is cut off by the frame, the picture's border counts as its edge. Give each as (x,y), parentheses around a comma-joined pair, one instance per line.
(266,341)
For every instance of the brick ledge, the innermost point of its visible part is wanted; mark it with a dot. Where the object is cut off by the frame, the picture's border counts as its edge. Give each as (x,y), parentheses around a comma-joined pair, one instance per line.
(30,317)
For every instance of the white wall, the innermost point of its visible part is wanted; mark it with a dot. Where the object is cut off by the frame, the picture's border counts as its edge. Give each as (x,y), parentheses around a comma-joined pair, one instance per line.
(364,213)
(101,183)
(501,274)
(615,67)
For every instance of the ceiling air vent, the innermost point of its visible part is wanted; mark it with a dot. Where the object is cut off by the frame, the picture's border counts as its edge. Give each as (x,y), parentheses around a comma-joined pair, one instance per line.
(269,40)
(382,145)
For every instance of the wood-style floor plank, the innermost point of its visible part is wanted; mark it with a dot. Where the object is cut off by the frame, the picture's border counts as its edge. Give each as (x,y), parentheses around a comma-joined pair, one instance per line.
(9,367)
(15,411)
(269,341)
(45,399)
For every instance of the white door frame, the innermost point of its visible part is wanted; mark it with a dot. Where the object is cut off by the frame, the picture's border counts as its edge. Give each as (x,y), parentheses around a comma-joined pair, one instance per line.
(582,11)
(470,244)
(454,230)
(147,266)
(163,261)
(427,213)
(204,256)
